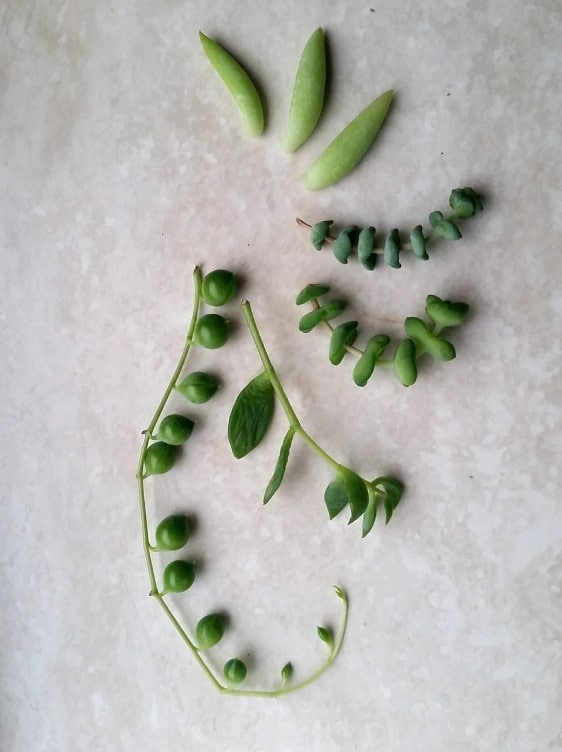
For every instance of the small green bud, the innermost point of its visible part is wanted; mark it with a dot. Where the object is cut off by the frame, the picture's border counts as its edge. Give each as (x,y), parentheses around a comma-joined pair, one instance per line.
(175,429)
(178,576)
(172,533)
(465,202)
(211,331)
(159,458)
(286,674)
(209,631)
(235,671)
(198,387)
(219,287)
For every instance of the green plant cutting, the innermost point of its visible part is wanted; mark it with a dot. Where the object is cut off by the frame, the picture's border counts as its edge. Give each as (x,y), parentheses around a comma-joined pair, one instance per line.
(159,452)
(421,337)
(464,203)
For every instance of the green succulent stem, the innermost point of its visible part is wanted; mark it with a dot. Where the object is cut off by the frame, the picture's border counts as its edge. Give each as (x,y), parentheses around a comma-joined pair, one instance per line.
(434,329)
(149,549)
(288,409)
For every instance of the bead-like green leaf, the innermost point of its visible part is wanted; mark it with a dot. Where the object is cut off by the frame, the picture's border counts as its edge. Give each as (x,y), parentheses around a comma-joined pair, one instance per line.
(349,147)
(319,233)
(326,635)
(286,674)
(465,202)
(439,348)
(311,292)
(343,336)
(251,415)
(280,467)
(209,631)
(159,458)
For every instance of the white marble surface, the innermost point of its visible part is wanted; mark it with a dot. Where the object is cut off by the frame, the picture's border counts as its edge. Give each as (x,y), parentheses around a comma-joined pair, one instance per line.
(123,166)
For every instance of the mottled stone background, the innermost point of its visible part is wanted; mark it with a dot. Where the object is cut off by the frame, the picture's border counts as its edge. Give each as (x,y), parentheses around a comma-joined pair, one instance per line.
(122,166)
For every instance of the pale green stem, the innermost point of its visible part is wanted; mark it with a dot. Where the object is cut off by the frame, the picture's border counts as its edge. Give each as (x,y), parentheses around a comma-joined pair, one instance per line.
(149,549)
(278,387)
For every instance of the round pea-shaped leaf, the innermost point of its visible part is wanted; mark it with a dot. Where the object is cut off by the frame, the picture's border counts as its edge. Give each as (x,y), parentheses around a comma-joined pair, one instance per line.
(198,387)
(209,631)
(219,287)
(175,429)
(172,533)
(178,576)
(235,671)
(211,331)
(159,458)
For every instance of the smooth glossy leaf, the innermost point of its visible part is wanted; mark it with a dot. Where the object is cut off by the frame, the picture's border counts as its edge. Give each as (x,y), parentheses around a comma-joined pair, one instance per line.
(370,514)
(335,496)
(311,292)
(342,337)
(251,415)
(346,488)
(326,312)
(280,467)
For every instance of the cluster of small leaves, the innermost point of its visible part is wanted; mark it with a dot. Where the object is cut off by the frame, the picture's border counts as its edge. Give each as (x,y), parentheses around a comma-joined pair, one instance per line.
(464,203)
(252,414)
(421,337)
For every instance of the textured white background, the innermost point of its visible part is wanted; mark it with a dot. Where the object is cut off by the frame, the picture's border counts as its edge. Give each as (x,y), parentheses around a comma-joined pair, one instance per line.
(123,166)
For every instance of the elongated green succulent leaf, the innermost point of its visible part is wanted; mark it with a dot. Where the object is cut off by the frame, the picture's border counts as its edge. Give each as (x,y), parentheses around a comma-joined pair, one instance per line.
(311,292)
(280,467)
(251,415)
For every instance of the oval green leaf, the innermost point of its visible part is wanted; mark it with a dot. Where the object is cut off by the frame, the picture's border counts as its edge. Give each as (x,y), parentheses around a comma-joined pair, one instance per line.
(251,415)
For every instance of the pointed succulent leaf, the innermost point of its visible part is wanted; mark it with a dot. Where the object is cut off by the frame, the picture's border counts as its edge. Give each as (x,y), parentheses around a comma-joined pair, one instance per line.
(365,248)
(280,467)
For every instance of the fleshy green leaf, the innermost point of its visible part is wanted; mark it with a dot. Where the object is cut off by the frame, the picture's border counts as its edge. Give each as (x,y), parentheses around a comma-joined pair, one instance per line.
(280,467)
(417,240)
(392,491)
(311,292)
(326,312)
(392,249)
(343,336)
(343,244)
(365,248)
(319,233)
(251,415)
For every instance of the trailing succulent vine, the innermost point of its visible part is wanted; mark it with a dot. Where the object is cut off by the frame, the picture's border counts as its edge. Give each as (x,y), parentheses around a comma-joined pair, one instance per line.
(421,337)
(160,451)
(464,203)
